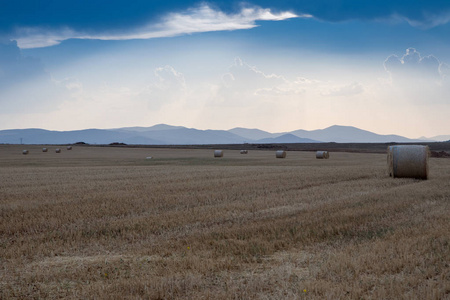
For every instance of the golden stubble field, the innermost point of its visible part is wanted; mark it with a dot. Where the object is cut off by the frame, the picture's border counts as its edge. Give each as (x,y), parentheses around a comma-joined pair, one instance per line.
(107,223)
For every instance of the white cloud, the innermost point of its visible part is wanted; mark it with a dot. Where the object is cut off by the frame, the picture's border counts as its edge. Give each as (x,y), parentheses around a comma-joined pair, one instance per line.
(72,84)
(412,64)
(306,81)
(169,78)
(194,20)
(420,79)
(444,70)
(36,37)
(277,91)
(248,96)
(244,76)
(246,83)
(168,86)
(352,89)
(430,20)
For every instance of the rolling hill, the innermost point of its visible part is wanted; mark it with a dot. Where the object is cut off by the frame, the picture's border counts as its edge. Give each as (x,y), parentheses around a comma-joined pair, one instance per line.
(163,134)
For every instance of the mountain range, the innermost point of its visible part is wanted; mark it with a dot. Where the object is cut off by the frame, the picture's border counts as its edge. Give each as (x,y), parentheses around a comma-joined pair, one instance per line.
(163,134)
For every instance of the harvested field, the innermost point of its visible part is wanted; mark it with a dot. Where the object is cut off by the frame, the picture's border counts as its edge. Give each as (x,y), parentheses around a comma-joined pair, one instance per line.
(105,222)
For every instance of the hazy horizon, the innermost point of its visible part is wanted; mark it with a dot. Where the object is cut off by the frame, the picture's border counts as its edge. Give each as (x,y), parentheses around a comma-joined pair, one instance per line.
(252,133)
(383,67)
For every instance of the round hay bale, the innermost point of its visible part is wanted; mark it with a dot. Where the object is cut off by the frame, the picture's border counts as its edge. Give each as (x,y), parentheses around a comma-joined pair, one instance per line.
(25,152)
(243,151)
(322,155)
(218,153)
(57,150)
(44,149)
(280,154)
(390,161)
(69,147)
(408,161)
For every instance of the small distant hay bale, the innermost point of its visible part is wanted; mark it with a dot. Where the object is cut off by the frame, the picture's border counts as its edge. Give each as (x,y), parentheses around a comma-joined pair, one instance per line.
(57,150)
(322,155)
(149,157)
(69,147)
(408,161)
(280,154)
(44,149)
(218,153)
(243,151)
(25,152)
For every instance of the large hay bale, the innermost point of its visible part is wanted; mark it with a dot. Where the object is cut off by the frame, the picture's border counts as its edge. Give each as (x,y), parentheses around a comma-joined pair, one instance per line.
(69,147)
(44,149)
(243,151)
(218,153)
(322,155)
(410,161)
(149,157)
(280,154)
(390,161)
(57,150)
(25,152)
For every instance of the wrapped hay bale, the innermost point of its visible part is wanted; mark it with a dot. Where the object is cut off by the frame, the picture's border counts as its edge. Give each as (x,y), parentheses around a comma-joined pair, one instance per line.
(25,152)
(149,157)
(218,153)
(57,150)
(409,161)
(322,155)
(44,149)
(244,152)
(69,147)
(280,154)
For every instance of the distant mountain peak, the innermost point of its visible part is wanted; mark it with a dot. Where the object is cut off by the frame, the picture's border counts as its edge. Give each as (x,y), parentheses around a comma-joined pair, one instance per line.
(287,138)
(163,134)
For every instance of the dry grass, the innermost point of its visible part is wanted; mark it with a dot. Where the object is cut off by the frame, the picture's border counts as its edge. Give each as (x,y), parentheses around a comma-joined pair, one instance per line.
(107,223)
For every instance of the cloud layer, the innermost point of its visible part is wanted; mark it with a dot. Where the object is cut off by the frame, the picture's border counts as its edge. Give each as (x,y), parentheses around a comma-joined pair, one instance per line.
(195,20)
(118,14)
(422,14)
(412,64)
(421,79)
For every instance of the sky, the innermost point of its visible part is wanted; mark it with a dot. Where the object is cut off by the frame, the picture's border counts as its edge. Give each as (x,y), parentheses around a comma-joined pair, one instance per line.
(279,66)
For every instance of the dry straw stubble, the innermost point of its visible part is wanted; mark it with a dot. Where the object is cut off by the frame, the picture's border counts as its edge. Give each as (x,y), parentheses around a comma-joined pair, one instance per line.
(99,225)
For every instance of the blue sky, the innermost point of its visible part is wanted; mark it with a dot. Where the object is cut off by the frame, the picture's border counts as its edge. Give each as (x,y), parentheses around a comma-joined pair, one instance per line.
(377,65)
